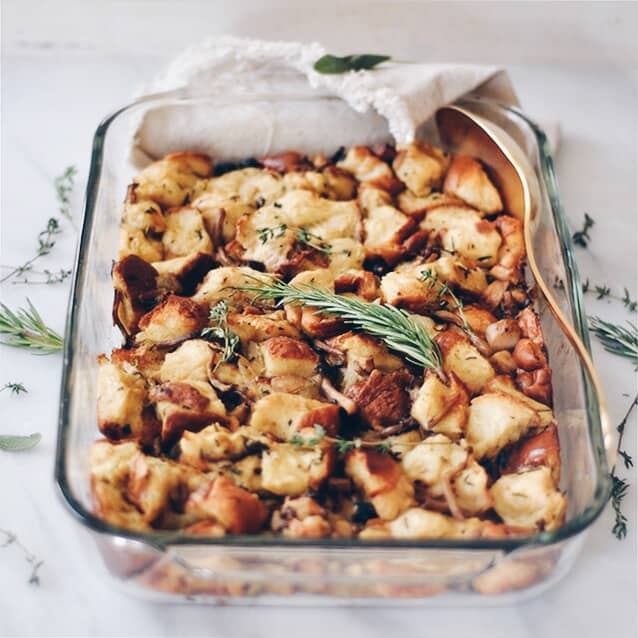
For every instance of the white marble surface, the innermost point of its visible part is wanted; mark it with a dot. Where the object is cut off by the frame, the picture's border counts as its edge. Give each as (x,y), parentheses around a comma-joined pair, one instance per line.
(60,78)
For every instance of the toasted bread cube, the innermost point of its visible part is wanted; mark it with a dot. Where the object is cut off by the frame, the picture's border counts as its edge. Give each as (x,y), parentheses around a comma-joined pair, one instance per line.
(182,275)
(363,354)
(331,183)
(286,356)
(146,216)
(185,233)
(135,283)
(223,284)
(190,362)
(185,406)
(470,487)
(172,321)
(505,384)
(121,396)
(420,166)
(284,415)
(361,162)
(288,470)
(133,241)
(221,212)
(416,206)
(250,327)
(467,180)
(154,483)
(382,481)
(239,511)
(464,360)
(345,254)
(171,180)
(529,499)
(413,524)
(496,420)
(433,460)
(213,443)
(301,517)
(441,407)
(461,230)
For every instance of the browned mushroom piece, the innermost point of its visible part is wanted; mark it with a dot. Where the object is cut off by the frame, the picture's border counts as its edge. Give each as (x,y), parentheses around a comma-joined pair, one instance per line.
(539,449)
(382,399)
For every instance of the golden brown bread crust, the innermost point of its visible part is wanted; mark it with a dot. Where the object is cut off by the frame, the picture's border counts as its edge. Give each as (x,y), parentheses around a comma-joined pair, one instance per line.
(226,413)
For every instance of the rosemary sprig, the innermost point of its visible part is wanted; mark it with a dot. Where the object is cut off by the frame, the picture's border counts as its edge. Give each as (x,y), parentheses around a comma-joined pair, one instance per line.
(218,316)
(399,330)
(32,559)
(581,237)
(14,387)
(617,339)
(302,235)
(25,328)
(619,489)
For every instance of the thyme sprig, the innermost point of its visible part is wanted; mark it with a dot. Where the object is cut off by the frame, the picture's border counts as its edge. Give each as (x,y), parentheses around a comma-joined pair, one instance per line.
(432,279)
(302,235)
(617,339)
(32,559)
(399,330)
(620,428)
(14,387)
(619,489)
(47,238)
(581,237)
(218,316)
(603,292)
(25,328)
(63,188)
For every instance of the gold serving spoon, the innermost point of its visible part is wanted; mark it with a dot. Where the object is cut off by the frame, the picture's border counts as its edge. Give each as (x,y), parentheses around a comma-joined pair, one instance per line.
(464,132)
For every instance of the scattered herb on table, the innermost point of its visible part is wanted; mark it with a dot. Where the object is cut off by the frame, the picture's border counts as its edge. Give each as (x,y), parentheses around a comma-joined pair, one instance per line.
(19,443)
(605,292)
(617,339)
(32,559)
(582,237)
(25,328)
(46,239)
(333,64)
(14,387)
(399,330)
(619,489)
(64,188)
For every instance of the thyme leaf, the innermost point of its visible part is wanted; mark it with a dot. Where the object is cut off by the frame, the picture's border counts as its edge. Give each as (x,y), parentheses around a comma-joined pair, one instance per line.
(581,237)
(14,387)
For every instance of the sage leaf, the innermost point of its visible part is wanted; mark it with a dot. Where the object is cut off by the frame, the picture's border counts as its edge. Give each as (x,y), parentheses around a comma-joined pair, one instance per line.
(16,443)
(332,64)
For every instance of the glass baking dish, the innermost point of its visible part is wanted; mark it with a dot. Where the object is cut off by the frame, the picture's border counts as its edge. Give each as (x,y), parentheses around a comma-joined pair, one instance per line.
(166,566)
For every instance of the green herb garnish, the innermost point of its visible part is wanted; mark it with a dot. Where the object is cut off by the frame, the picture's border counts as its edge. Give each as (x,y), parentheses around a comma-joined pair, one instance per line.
(332,64)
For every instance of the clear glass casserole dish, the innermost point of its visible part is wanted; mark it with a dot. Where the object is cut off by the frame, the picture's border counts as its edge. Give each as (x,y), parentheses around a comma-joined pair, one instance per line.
(164,565)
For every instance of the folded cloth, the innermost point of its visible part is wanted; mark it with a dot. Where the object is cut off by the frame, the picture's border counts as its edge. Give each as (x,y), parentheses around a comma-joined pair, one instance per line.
(298,109)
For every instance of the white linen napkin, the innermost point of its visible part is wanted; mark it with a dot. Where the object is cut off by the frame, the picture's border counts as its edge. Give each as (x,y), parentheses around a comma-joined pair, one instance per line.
(391,101)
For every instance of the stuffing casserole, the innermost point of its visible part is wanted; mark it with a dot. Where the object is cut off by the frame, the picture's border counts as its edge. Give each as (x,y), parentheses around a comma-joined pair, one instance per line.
(226,412)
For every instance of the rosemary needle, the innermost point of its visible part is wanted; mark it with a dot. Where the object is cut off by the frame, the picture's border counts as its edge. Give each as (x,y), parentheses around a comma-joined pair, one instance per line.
(617,339)
(399,330)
